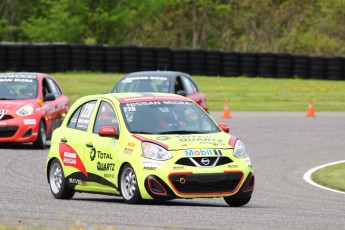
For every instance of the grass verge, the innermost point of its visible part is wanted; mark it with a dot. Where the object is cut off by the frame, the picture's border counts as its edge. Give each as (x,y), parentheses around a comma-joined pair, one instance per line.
(332,176)
(243,93)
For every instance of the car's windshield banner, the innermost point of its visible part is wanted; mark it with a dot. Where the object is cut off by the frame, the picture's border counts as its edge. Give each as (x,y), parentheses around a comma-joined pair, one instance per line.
(130,79)
(17,77)
(152,99)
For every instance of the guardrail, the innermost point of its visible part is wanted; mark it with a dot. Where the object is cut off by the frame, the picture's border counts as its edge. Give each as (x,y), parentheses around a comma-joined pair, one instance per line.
(51,58)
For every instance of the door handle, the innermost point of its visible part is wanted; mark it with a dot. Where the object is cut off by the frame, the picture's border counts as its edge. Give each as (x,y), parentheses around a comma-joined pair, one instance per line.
(64,140)
(90,145)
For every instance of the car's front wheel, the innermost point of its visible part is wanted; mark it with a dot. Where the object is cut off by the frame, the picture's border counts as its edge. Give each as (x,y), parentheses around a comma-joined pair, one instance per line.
(57,182)
(40,143)
(237,201)
(129,185)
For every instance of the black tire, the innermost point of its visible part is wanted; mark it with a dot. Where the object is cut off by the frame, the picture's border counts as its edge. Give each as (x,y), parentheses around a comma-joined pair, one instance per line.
(57,181)
(129,186)
(41,141)
(237,201)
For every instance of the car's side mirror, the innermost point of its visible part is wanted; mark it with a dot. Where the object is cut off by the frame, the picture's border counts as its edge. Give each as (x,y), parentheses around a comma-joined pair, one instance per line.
(182,93)
(108,131)
(49,97)
(225,127)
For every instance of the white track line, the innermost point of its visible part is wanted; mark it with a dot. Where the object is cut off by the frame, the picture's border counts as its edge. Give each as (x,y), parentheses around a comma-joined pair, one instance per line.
(307,176)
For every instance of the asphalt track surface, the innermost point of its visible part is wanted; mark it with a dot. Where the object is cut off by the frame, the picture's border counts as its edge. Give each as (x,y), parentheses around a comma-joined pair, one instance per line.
(282,146)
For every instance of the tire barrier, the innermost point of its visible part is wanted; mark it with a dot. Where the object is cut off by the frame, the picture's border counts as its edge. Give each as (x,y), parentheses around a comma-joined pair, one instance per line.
(249,64)
(60,57)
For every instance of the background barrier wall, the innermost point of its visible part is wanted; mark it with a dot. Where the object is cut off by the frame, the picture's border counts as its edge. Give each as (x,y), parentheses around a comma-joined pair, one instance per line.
(51,58)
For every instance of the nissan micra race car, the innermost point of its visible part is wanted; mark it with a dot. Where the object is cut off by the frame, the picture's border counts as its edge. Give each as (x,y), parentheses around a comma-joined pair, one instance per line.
(149,146)
(32,105)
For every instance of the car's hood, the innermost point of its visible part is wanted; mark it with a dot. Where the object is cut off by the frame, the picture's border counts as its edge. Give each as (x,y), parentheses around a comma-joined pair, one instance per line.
(218,140)
(14,104)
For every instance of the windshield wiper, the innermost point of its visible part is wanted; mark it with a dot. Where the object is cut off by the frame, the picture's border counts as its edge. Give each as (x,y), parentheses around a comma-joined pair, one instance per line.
(141,132)
(5,98)
(180,132)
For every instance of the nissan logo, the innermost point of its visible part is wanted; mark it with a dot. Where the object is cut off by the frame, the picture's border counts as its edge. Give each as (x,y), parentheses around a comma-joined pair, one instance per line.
(205,161)
(3,112)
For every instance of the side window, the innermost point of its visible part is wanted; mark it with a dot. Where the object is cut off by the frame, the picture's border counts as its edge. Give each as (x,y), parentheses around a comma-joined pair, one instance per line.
(72,123)
(178,84)
(49,86)
(190,86)
(81,117)
(105,117)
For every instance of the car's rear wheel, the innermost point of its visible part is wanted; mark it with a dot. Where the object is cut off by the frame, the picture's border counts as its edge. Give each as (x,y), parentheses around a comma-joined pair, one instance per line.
(41,141)
(57,182)
(129,185)
(237,201)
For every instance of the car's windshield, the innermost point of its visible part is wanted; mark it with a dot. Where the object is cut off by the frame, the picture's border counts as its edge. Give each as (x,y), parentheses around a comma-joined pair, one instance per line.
(167,117)
(144,84)
(17,88)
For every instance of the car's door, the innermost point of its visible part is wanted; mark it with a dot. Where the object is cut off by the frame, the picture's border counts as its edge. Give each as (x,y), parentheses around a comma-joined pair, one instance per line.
(73,139)
(193,91)
(102,155)
(56,109)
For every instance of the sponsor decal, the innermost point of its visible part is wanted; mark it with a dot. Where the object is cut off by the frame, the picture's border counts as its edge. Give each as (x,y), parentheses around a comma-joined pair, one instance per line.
(150,163)
(131,144)
(101,166)
(71,158)
(232,166)
(202,140)
(248,162)
(3,123)
(162,138)
(56,108)
(30,122)
(109,175)
(130,79)
(178,167)
(128,151)
(151,99)
(149,168)
(76,181)
(217,152)
(105,166)
(100,155)
(203,152)
(92,153)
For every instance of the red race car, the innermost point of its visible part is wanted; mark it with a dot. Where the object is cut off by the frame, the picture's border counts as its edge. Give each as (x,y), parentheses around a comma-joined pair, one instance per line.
(162,82)
(32,105)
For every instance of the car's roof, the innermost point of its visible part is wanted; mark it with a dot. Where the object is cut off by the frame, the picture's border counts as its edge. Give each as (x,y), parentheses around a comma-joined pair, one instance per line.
(156,73)
(139,97)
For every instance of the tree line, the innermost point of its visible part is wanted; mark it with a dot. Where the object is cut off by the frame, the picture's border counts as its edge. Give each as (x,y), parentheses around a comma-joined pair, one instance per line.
(312,27)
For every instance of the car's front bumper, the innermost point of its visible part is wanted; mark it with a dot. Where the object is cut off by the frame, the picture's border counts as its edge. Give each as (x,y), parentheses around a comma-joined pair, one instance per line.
(19,129)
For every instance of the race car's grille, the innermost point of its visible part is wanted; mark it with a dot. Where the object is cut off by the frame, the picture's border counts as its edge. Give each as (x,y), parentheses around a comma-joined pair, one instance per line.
(6,117)
(8,131)
(206,183)
(203,161)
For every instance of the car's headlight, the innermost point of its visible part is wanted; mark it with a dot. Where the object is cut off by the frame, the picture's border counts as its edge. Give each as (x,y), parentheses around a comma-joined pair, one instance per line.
(26,110)
(155,152)
(240,150)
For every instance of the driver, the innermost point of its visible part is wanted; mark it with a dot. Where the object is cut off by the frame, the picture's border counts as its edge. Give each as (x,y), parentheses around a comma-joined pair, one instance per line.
(168,119)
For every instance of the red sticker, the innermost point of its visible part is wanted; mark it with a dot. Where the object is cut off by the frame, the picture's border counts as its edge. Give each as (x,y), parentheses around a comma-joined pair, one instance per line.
(71,158)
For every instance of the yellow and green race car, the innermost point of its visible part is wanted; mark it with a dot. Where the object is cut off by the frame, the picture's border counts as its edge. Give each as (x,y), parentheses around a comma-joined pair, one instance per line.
(145,146)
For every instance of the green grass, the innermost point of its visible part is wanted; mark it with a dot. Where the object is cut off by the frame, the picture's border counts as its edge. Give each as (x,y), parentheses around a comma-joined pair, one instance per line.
(243,93)
(332,176)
